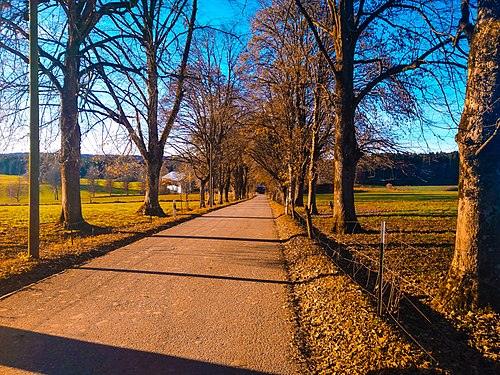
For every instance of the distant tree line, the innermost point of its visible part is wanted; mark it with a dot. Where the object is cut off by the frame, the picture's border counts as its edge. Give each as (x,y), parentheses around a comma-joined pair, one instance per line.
(398,169)
(14,164)
(409,169)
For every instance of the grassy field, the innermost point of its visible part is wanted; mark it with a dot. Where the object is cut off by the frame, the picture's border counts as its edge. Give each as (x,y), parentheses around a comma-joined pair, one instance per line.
(420,238)
(14,191)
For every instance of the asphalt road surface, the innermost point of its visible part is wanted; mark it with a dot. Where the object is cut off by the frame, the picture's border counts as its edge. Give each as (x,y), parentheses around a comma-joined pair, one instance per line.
(205,297)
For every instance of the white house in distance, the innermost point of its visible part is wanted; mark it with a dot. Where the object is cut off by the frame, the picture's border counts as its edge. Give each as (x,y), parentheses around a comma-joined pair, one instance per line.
(174,181)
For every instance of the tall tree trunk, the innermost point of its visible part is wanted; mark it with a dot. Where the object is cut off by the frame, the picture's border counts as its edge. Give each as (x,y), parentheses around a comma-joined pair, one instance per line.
(290,206)
(346,156)
(311,188)
(299,195)
(221,192)
(283,196)
(227,186)
(71,215)
(346,151)
(203,183)
(245,181)
(240,181)
(154,157)
(315,152)
(151,205)
(311,201)
(474,276)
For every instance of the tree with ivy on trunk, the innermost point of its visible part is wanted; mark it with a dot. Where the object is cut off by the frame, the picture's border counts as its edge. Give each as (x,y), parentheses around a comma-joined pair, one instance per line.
(474,276)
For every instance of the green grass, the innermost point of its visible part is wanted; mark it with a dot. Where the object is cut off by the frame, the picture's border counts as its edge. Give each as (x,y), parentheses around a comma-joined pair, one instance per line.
(10,186)
(101,188)
(420,222)
(400,193)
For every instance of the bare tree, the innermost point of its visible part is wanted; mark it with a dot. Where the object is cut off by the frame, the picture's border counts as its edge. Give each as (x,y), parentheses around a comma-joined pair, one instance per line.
(50,172)
(150,52)
(18,188)
(474,276)
(63,50)
(94,171)
(213,109)
(128,168)
(291,77)
(367,45)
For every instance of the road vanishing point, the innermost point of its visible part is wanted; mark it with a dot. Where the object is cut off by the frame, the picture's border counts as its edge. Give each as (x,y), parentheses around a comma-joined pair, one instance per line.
(208,296)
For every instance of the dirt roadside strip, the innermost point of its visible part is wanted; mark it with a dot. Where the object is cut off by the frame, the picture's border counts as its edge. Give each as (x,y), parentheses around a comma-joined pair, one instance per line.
(208,296)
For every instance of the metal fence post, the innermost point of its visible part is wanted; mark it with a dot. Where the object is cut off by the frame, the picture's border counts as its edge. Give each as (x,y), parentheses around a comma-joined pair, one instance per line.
(381,270)
(174,209)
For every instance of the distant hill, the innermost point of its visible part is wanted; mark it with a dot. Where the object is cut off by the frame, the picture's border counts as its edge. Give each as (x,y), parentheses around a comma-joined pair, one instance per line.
(14,164)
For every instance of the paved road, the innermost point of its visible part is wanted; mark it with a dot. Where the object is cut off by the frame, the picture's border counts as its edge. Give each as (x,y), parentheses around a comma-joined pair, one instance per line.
(205,297)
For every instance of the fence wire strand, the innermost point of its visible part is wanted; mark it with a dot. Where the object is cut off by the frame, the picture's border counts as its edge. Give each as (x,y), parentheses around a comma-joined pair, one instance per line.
(392,285)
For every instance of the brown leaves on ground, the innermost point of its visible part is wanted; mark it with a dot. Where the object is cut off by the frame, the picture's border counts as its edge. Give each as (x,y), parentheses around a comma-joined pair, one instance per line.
(339,332)
(420,243)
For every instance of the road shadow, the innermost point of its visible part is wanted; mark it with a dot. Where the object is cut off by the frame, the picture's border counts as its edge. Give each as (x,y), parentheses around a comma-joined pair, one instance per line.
(216,238)
(188,275)
(204,276)
(237,217)
(55,355)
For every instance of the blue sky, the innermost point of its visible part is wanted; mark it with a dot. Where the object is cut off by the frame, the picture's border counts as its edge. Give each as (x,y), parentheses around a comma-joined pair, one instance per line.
(237,14)
(227,12)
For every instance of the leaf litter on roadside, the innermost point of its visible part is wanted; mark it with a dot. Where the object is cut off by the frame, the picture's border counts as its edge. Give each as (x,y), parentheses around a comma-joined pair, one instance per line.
(339,332)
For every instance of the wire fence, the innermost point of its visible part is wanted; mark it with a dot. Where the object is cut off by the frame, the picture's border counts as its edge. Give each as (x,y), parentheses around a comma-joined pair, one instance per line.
(379,270)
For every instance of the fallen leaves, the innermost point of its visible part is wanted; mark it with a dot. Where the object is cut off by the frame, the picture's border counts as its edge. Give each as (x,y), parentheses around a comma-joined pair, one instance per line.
(338,329)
